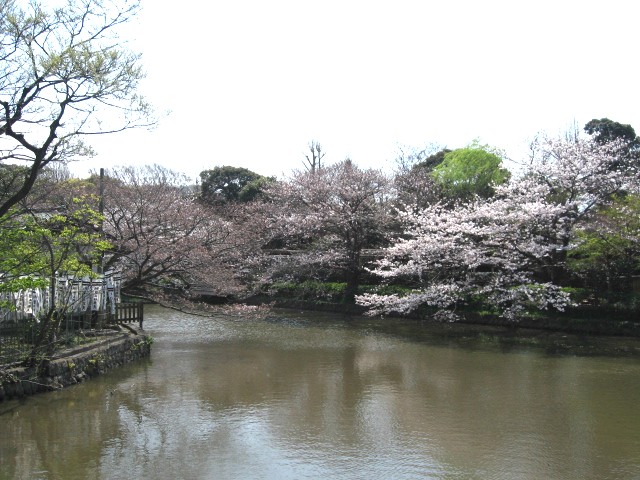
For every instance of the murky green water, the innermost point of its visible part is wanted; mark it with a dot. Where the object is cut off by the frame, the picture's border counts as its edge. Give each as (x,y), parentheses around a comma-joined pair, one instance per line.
(309,396)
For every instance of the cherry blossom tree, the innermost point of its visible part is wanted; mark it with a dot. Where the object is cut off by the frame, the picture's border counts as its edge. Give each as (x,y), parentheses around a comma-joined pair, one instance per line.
(324,219)
(607,251)
(581,175)
(413,182)
(505,250)
(162,237)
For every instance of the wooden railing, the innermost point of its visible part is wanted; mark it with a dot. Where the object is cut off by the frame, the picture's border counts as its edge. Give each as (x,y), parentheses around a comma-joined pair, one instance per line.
(17,337)
(129,312)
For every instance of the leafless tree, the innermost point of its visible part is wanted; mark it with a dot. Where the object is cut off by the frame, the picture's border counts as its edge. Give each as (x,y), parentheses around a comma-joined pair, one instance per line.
(314,157)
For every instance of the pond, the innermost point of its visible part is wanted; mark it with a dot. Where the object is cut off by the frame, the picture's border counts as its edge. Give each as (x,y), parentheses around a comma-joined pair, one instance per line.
(303,395)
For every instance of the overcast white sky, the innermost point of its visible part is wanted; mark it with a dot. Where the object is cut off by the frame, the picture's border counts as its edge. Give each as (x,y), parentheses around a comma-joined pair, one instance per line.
(250,82)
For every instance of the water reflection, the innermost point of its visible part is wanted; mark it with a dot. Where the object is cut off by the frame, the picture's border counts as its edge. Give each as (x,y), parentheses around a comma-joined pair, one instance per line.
(311,396)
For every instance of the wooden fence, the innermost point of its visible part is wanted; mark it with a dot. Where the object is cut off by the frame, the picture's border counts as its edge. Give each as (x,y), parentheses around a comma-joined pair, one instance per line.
(128,313)
(17,337)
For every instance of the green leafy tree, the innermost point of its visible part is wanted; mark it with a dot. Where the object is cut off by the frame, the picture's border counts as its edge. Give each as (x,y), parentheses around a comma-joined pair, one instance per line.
(604,130)
(63,77)
(607,251)
(470,171)
(432,161)
(255,189)
(41,247)
(229,184)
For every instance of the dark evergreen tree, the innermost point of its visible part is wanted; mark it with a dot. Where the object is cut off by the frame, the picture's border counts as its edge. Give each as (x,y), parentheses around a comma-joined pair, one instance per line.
(225,184)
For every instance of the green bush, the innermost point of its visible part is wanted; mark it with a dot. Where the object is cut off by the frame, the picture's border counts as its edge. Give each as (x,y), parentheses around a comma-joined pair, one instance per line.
(330,292)
(309,290)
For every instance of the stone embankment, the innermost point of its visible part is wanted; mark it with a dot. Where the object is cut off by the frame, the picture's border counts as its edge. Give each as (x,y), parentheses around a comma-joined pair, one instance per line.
(74,365)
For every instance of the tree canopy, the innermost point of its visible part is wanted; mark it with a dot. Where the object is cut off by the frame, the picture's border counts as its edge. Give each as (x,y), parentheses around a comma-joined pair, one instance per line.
(607,249)
(432,161)
(44,244)
(63,77)
(466,172)
(162,236)
(414,183)
(604,130)
(329,216)
(506,249)
(452,229)
(229,184)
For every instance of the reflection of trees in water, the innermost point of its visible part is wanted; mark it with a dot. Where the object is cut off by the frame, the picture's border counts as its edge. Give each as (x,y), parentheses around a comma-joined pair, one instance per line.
(272,393)
(58,432)
(468,406)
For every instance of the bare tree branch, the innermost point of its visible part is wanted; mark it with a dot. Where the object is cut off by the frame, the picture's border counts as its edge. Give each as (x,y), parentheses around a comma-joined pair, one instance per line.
(64,77)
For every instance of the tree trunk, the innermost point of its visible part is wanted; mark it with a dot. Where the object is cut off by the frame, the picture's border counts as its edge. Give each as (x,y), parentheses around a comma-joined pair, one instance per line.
(352,278)
(353,282)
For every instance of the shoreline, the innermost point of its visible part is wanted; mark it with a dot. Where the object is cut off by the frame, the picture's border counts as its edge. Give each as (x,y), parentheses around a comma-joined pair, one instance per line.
(75,365)
(568,323)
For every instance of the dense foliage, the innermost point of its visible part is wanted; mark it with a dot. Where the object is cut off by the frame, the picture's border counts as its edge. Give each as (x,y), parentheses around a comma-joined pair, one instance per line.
(162,236)
(226,184)
(452,231)
(509,251)
(326,218)
(43,245)
(469,172)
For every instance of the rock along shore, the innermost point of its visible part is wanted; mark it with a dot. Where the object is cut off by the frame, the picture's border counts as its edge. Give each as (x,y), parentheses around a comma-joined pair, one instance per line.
(74,365)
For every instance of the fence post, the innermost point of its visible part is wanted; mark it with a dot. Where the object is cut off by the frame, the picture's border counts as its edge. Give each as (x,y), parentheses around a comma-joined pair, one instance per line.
(141,313)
